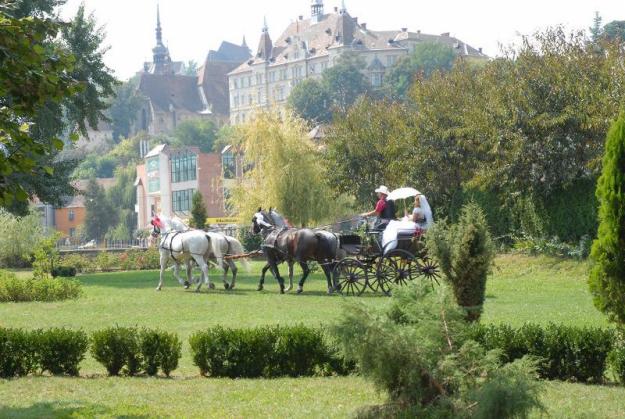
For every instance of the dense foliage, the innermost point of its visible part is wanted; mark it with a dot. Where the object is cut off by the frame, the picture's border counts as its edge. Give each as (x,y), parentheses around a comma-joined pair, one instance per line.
(417,351)
(130,350)
(564,352)
(465,252)
(528,126)
(14,289)
(287,172)
(264,352)
(607,277)
(57,351)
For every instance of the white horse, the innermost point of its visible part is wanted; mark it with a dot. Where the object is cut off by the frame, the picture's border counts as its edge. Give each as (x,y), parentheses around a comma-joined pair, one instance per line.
(218,246)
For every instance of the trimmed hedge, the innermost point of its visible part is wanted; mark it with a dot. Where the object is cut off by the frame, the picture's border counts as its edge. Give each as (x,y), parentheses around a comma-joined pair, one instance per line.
(14,289)
(130,351)
(57,351)
(564,353)
(271,351)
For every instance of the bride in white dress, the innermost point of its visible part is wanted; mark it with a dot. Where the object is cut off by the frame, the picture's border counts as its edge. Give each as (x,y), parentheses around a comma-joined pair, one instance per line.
(421,218)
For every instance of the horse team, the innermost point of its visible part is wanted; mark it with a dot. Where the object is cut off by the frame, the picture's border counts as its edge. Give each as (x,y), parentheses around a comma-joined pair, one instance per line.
(281,244)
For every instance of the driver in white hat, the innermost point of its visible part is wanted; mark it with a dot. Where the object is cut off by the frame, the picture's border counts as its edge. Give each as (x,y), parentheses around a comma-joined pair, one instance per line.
(382,209)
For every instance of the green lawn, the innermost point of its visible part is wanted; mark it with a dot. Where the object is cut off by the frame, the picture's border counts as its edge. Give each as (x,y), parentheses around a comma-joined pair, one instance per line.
(520,289)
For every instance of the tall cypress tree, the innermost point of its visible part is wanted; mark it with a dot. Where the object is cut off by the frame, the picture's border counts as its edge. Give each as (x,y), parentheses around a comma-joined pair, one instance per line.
(607,277)
(198,211)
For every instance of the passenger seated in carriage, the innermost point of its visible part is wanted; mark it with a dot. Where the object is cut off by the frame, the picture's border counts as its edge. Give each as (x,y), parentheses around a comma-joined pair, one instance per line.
(421,214)
(384,209)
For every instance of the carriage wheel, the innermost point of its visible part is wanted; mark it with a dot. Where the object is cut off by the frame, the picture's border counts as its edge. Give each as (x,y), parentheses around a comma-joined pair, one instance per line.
(384,274)
(351,277)
(398,267)
(430,270)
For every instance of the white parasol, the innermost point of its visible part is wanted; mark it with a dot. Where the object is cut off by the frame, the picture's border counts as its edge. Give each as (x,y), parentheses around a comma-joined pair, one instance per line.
(403,193)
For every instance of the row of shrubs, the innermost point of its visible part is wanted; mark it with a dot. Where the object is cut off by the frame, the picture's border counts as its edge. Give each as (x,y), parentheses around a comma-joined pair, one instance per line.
(132,260)
(60,351)
(57,351)
(271,351)
(14,289)
(563,352)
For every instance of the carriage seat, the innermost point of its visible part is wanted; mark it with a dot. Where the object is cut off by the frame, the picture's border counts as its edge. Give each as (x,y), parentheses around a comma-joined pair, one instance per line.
(351,243)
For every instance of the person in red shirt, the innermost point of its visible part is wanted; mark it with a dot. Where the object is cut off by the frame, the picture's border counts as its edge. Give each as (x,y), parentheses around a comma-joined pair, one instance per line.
(381,209)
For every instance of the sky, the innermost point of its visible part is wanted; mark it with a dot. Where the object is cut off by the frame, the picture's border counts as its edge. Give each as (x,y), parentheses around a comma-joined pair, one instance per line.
(192,27)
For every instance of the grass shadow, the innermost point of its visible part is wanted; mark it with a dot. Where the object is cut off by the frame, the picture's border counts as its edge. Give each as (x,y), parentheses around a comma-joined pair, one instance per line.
(60,410)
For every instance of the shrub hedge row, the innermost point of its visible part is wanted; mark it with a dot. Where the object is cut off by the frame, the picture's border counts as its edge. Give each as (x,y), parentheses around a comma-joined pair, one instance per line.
(13,289)
(131,351)
(272,351)
(57,351)
(564,352)
(132,260)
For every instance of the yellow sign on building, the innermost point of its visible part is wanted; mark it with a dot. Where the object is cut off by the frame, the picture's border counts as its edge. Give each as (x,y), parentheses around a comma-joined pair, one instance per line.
(223,220)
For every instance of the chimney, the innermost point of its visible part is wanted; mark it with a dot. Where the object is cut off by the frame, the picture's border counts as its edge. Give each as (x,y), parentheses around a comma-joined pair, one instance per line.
(404,29)
(301,17)
(356,20)
(419,31)
(364,26)
(480,49)
(336,9)
(445,34)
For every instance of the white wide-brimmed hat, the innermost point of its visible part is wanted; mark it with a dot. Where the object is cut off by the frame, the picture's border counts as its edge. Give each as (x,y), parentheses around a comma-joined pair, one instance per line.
(382,189)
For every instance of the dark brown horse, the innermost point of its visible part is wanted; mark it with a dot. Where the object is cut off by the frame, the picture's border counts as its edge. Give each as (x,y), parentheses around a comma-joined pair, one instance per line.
(291,245)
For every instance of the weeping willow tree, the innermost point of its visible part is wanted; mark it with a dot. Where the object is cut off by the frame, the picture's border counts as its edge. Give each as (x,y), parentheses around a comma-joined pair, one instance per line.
(287,172)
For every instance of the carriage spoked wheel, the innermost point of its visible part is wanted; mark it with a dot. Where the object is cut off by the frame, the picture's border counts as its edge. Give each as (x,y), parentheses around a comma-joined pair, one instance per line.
(351,277)
(398,267)
(430,270)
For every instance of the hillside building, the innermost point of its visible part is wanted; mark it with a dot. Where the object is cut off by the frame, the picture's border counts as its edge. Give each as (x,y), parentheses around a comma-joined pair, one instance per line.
(309,46)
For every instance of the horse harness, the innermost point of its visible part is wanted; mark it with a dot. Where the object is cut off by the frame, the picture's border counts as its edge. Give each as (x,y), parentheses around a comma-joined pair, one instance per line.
(171,241)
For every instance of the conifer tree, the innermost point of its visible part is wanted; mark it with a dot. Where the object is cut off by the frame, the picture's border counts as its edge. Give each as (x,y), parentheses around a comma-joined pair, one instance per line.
(607,277)
(198,211)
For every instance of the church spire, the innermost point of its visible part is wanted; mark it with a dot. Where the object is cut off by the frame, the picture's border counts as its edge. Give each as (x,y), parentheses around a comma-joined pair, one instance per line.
(343,7)
(159,30)
(316,10)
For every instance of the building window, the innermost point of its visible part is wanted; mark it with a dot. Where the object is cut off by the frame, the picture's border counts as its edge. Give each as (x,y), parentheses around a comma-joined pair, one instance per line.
(72,232)
(376,79)
(181,200)
(154,185)
(229,166)
(71,215)
(391,60)
(283,74)
(183,167)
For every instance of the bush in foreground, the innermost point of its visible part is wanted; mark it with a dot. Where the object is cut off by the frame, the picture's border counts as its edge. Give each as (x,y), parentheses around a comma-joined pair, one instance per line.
(417,351)
(130,350)
(270,351)
(13,289)
(57,351)
(565,353)
(60,351)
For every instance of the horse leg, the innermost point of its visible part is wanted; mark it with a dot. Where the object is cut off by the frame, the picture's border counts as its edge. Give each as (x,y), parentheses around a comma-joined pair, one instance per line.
(204,267)
(177,273)
(306,269)
(261,284)
(224,266)
(234,269)
(189,280)
(164,259)
(276,274)
(290,287)
(327,270)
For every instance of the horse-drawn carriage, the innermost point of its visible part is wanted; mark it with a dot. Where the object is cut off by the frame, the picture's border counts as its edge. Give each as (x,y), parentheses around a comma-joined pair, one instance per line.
(376,263)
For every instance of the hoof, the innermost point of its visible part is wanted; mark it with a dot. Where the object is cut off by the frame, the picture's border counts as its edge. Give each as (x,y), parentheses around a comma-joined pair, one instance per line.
(287,289)
(330,291)
(211,286)
(158,288)
(300,289)
(186,284)
(260,288)
(281,289)
(226,285)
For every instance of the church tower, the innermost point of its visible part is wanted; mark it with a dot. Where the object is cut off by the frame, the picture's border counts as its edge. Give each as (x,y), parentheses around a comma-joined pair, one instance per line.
(316,11)
(162,59)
